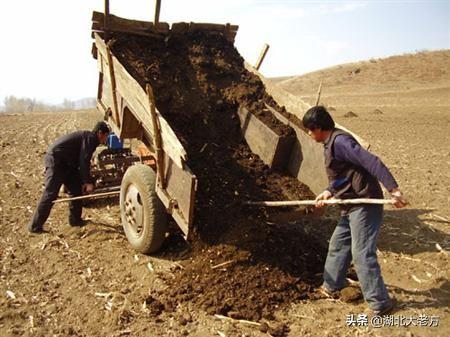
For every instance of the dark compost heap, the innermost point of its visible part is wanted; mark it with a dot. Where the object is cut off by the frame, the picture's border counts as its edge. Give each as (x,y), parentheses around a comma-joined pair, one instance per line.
(199,80)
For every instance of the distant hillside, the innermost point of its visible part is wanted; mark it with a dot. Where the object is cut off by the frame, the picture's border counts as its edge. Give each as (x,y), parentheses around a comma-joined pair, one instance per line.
(409,72)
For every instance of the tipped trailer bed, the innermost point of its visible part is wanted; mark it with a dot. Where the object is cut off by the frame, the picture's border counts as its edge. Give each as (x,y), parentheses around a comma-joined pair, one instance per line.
(149,193)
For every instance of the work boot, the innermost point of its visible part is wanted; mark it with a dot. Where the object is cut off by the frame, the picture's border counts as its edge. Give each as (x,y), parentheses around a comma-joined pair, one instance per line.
(386,310)
(326,293)
(77,223)
(35,230)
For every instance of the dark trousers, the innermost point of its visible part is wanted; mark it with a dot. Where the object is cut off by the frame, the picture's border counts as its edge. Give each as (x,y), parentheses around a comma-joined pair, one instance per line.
(57,174)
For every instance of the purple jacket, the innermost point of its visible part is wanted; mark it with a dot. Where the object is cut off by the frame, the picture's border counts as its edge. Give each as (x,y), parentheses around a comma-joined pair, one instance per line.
(346,150)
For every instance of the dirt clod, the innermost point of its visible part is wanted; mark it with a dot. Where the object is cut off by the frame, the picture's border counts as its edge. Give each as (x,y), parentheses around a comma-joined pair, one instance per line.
(377,112)
(154,306)
(350,294)
(350,114)
(278,330)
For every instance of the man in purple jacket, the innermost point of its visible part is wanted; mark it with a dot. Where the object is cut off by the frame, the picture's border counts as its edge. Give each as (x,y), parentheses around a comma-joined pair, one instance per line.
(353,172)
(68,162)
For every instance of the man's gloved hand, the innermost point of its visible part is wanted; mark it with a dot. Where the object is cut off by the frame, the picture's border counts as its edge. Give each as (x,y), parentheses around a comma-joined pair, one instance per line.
(323,196)
(397,197)
(88,188)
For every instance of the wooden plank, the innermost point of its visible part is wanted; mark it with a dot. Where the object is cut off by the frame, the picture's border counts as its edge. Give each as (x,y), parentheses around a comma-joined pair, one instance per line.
(319,92)
(117,23)
(99,62)
(100,86)
(228,30)
(138,102)
(102,108)
(157,10)
(125,131)
(274,150)
(181,185)
(180,27)
(97,28)
(112,78)
(326,202)
(306,161)
(101,45)
(157,137)
(104,87)
(194,185)
(262,55)
(176,205)
(88,196)
(106,20)
(179,195)
(176,213)
(94,51)
(131,127)
(106,98)
(212,26)
(292,103)
(144,28)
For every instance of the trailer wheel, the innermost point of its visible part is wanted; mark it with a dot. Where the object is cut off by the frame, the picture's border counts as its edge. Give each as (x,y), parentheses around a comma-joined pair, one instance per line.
(144,217)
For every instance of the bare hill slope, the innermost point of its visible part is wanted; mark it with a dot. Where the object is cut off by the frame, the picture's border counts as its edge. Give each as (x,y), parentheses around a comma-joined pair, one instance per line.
(402,73)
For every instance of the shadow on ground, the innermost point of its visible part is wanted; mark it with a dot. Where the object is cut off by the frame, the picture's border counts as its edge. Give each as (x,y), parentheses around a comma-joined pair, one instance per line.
(404,231)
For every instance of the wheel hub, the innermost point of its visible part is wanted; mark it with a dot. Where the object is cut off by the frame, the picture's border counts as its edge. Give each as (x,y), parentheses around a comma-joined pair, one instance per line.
(134,209)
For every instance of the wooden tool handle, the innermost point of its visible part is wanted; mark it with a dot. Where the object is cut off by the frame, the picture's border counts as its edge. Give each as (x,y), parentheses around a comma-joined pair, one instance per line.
(88,196)
(313,202)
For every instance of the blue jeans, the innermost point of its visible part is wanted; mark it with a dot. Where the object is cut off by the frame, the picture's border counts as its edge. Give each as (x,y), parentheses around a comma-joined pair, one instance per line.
(355,237)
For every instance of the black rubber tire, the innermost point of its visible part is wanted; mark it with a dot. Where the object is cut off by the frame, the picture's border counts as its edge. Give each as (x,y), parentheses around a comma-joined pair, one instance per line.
(154,216)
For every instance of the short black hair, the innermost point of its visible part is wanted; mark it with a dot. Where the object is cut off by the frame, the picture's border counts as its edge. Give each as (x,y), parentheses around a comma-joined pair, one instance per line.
(318,117)
(101,126)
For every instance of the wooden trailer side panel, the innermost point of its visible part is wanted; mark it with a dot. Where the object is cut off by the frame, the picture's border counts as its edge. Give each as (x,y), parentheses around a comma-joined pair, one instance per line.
(133,96)
(119,24)
(146,28)
(132,108)
(179,194)
(306,160)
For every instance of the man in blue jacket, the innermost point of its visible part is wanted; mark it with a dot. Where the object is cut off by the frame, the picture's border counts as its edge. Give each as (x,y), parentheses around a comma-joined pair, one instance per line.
(353,172)
(68,162)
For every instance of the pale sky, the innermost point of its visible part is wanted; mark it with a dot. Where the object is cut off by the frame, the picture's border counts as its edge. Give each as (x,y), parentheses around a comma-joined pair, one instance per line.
(46,44)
